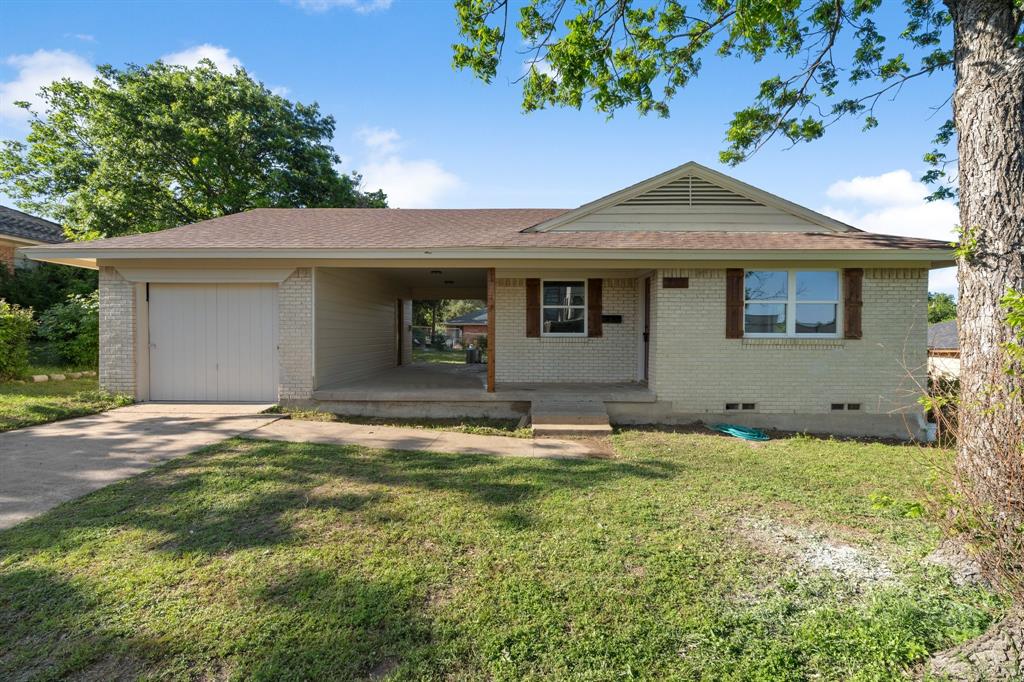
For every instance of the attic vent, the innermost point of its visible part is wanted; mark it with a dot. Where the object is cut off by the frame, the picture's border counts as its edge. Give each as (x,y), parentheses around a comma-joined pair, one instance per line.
(690,191)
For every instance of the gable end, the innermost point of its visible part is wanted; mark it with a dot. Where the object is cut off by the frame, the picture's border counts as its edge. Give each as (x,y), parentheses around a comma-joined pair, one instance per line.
(690,191)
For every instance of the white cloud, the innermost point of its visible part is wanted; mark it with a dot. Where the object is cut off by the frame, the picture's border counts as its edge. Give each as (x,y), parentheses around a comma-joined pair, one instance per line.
(280,90)
(36,70)
(220,56)
(893,203)
(360,6)
(378,140)
(409,183)
(84,37)
(896,188)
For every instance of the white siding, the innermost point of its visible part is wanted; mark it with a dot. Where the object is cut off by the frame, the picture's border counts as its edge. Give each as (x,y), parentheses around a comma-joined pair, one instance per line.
(355,324)
(690,204)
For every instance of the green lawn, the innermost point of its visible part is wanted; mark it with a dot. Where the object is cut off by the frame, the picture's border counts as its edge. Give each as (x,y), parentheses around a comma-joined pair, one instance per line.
(434,356)
(274,561)
(27,404)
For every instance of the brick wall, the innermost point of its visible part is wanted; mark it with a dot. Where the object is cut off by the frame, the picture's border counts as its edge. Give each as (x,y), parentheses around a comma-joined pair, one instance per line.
(117,332)
(7,257)
(610,358)
(696,368)
(295,343)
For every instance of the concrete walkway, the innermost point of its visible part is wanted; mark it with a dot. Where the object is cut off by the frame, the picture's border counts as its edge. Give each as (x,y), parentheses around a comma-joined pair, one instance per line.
(42,466)
(404,438)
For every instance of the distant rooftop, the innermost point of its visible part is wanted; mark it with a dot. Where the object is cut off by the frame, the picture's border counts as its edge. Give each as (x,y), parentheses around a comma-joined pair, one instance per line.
(943,336)
(17,223)
(472,317)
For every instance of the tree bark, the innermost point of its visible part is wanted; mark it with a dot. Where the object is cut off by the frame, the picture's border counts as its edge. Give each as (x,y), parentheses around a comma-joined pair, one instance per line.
(988,109)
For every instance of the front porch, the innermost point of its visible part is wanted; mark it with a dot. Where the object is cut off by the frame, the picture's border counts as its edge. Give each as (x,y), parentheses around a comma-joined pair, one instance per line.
(468,384)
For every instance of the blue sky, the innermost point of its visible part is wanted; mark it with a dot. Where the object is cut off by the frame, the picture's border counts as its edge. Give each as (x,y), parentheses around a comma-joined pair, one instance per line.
(434,137)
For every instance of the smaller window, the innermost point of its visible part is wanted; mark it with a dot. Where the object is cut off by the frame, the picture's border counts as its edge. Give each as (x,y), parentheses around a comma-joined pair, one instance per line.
(749,406)
(563,308)
(853,406)
(732,406)
(838,406)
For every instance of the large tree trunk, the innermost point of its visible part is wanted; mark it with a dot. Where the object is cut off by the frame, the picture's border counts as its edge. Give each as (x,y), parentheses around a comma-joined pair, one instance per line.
(988,107)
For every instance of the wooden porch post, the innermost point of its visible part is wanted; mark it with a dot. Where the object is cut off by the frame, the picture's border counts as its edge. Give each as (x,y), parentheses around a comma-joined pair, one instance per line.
(490,330)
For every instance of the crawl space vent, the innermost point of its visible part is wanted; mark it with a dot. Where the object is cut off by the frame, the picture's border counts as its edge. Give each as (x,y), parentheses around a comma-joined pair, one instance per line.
(690,192)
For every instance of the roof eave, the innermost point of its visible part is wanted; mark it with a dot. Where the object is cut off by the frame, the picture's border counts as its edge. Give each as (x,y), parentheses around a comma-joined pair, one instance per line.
(88,257)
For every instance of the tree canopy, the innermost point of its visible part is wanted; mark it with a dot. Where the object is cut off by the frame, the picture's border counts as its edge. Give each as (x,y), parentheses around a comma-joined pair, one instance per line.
(941,307)
(145,148)
(628,53)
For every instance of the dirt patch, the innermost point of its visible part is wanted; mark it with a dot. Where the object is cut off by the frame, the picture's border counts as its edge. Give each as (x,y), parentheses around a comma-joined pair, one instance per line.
(817,552)
(383,669)
(998,654)
(964,568)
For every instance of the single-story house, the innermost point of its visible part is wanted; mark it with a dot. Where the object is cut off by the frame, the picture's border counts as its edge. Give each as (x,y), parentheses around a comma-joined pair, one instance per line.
(467,328)
(943,350)
(688,296)
(18,229)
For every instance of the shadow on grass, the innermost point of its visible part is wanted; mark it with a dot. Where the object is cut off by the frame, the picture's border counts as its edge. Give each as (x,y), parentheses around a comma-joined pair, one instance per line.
(342,620)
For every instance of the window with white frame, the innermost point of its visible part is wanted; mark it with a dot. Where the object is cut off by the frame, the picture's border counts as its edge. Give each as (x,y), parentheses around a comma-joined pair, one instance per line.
(791,303)
(563,310)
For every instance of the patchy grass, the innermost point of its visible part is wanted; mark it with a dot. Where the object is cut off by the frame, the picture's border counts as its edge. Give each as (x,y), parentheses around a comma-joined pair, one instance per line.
(478,426)
(268,560)
(28,404)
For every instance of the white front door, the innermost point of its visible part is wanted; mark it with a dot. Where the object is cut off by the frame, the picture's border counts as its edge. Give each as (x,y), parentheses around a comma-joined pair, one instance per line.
(213,342)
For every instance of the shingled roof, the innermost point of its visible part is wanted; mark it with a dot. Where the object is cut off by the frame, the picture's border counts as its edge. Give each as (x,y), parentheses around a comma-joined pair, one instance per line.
(375,228)
(18,224)
(943,336)
(471,318)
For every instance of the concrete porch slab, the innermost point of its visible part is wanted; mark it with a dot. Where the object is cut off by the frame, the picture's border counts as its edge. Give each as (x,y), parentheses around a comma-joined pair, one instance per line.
(462,383)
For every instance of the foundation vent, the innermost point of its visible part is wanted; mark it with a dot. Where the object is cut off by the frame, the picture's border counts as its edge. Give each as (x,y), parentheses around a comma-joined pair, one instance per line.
(690,192)
(731,407)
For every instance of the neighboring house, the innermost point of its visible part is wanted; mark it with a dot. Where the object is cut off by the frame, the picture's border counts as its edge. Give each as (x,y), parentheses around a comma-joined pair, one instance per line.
(943,350)
(468,328)
(688,296)
(18,229)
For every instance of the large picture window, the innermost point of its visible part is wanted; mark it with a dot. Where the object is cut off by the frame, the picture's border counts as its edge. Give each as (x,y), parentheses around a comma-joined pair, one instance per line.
(791,303)
(564,308)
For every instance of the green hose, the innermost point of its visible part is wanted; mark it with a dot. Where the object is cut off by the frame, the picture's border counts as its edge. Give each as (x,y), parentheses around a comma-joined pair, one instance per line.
(740,431)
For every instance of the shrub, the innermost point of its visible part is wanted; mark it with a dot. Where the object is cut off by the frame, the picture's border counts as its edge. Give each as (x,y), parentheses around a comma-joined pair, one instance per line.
(45,285)
(15,330)
(71,330)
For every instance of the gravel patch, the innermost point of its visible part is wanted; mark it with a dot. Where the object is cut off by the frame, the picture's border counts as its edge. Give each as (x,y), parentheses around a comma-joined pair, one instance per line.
(817,552)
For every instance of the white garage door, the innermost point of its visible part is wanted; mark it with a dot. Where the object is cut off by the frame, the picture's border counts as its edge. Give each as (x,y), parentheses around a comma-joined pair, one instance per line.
(213,342)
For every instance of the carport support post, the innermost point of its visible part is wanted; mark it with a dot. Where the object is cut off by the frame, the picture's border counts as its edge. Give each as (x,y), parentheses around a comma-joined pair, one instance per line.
(490,330)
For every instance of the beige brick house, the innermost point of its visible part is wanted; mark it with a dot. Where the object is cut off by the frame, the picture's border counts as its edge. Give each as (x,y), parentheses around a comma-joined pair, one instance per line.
(688,297)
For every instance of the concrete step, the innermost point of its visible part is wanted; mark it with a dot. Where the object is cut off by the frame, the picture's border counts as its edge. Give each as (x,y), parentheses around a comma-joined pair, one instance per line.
(542,430)
(569,418)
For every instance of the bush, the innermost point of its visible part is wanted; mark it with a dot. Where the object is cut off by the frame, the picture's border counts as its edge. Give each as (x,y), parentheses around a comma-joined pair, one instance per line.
(15,330)
(71,330)
(45,285)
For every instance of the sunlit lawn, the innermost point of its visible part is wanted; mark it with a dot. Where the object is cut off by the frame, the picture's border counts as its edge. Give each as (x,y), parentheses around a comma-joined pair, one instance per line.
(267,560)
(30,403)
(439,357)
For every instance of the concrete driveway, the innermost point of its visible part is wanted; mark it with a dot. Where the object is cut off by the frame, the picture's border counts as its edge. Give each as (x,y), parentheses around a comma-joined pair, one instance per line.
(42,466)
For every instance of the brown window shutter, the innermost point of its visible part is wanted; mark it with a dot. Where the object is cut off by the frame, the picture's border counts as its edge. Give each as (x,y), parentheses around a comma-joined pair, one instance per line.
(734,303)
(533,307)
(594,312)
(853,302)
